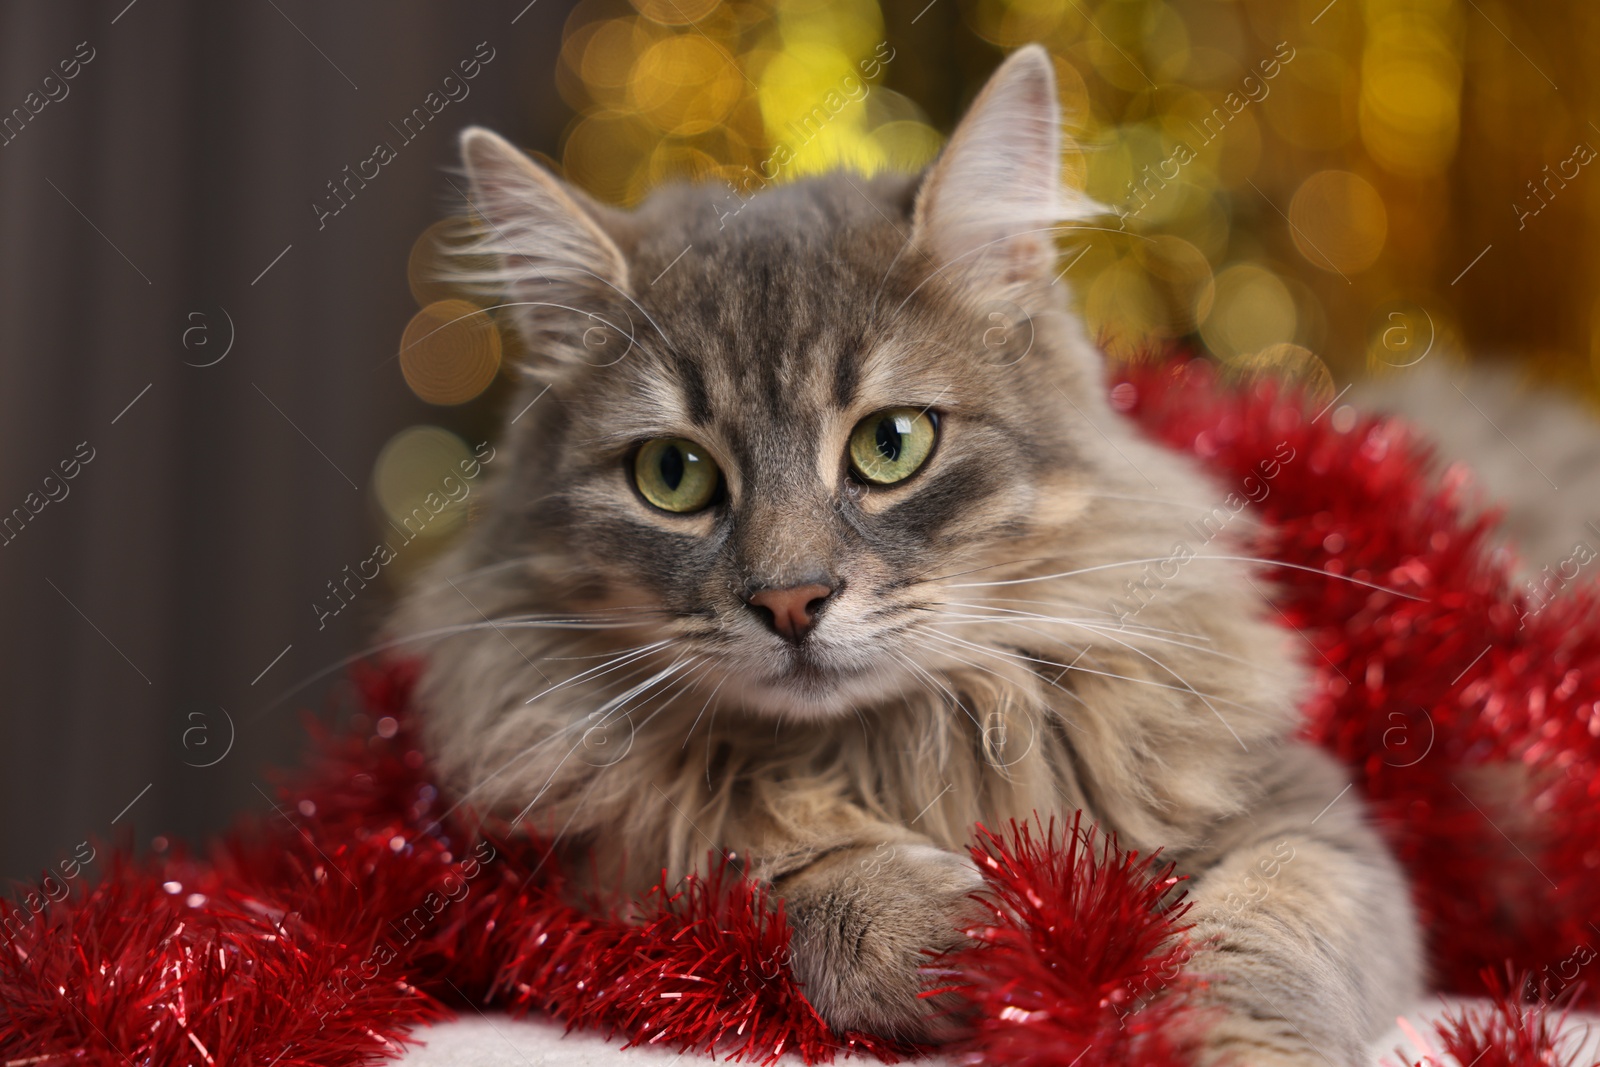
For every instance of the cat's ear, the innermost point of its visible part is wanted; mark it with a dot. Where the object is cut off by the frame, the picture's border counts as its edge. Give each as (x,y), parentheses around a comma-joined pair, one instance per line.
(540,249)
(987,208)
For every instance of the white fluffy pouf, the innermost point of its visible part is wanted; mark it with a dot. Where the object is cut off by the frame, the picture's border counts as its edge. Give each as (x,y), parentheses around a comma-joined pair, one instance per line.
(501,1041)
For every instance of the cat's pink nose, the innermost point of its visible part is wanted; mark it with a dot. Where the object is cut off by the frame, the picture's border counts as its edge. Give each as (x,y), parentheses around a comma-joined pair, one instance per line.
(790,612)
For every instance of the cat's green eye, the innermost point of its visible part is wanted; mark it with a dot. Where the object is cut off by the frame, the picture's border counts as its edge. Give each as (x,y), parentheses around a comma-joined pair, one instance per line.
(889,446)
(675,474)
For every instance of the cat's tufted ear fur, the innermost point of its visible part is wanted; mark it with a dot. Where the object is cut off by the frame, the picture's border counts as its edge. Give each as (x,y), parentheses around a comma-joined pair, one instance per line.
(987,208)
(539,244)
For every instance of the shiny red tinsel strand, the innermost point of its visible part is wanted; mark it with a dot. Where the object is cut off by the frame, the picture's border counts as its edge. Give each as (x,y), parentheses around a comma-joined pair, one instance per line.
(1081,962)
(365,907)
(1512,1031)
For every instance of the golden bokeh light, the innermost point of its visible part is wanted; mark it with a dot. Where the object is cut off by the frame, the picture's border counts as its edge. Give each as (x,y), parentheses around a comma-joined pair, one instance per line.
(450,352)
(1338,221)
(905,145)
(1410,94)
(1291,363)
(1251,310)
(1012,24)
(676,161)
(610,51)
(421,482)
(1123,308)
(813,102)
(1182,275)
(675,12)
(1164,35)
(605,150)
(684,84)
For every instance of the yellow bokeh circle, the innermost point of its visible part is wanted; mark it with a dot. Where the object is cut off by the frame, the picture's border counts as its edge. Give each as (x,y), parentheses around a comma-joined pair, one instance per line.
(685,84)
(604,151)
(1290,363)
(1252,309)
(422,479)
(675,12)
(1338,221)
(1012,23)
(1124,310)
(609,52)
(1182,276)
(1410,111)
(450,352)
(908,145)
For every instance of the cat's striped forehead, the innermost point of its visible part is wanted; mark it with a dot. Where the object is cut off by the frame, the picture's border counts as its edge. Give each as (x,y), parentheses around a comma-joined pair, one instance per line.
(777,298)
(784,315)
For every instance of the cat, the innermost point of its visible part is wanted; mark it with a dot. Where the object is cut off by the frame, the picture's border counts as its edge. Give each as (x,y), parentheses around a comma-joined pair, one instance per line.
(807,553)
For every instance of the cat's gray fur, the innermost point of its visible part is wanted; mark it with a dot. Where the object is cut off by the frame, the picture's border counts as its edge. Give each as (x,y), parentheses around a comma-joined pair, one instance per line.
(592,666)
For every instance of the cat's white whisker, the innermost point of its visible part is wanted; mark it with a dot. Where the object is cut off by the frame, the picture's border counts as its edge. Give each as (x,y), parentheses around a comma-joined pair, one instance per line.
(714,690)
(607,654)
(615,705)
(951,639)
(1170,502)
(1159,663)
(550,848)
(607,667)
(1144,627)
(606,712)
(996,654)
(473,573)
(663,701)
(691,676)
(414,638)
(561,622)
(944,688)
(485,778)
(1014,617)
(918,580)
(1167,559)
(531,750)
(936,635)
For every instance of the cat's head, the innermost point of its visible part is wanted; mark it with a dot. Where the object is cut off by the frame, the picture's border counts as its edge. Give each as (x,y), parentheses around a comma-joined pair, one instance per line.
(779,423)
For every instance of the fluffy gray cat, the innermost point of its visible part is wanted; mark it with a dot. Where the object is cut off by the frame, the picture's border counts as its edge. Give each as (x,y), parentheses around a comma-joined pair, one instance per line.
(795,558)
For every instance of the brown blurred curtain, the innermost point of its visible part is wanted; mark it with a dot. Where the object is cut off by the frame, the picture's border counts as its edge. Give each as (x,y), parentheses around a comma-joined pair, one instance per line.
(163,190)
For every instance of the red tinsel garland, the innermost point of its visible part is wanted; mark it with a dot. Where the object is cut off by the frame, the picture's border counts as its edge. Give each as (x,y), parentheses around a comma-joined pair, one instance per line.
(1471,720)
(1510,1032)
(364,907)
(1082,962)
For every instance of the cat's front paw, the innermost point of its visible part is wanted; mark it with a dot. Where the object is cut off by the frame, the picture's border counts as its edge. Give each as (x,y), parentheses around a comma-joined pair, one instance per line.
(864,923)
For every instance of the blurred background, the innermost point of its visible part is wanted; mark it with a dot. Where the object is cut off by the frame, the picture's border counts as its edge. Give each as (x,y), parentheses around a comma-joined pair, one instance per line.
(227,379)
